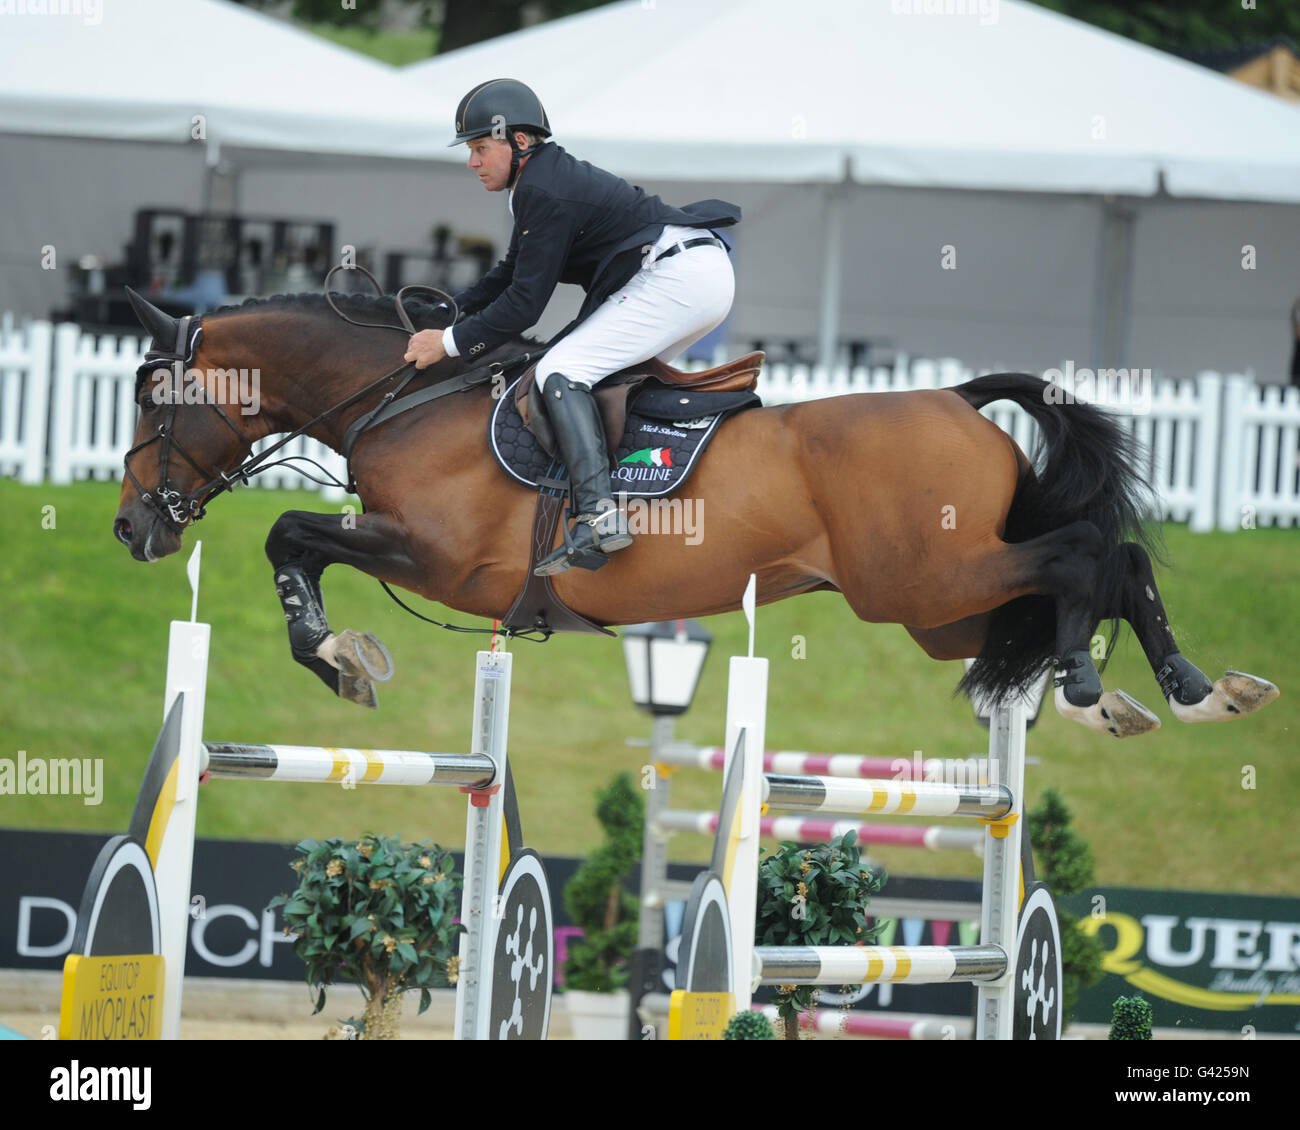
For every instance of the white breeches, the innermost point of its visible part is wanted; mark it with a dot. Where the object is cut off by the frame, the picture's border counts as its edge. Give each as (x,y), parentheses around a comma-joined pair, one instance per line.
(662,309)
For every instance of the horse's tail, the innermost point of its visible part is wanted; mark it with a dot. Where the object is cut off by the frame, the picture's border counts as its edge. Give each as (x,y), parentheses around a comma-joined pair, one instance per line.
(1089,470)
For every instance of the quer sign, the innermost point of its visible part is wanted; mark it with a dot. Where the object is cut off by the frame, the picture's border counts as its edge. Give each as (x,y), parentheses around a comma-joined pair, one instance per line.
(1213,961)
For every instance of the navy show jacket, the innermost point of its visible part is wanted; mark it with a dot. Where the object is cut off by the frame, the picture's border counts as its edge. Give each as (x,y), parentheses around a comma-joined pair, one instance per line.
(574,223)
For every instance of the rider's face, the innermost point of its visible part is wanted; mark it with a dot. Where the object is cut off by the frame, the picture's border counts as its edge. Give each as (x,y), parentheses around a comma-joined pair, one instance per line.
(489,158)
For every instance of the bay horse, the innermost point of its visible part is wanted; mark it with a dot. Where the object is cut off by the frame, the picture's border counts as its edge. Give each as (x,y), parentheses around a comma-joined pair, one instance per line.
(915,507)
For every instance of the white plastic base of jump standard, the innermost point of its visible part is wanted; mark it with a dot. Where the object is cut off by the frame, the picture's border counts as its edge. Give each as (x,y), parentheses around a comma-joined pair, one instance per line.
(1016,966)
(506,966)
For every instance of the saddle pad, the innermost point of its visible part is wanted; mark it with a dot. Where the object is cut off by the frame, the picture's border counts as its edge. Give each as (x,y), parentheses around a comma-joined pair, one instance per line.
(656,454)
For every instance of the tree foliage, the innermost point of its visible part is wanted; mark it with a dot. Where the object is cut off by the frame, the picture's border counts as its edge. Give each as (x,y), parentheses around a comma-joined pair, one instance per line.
(1170,25)
(596,899)
(459,22)
(376,912)
(1185,25)
(1066,866)
(814,896)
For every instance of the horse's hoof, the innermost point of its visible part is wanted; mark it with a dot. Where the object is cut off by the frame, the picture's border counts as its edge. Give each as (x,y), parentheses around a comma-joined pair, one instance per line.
(359,690)
(362,656)
(1234,696)
(1114,713)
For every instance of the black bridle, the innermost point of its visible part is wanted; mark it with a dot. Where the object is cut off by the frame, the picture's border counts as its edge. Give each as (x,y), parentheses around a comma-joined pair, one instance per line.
(179,510)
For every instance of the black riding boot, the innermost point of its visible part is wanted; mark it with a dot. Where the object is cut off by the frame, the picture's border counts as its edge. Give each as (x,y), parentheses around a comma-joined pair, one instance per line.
(580,436)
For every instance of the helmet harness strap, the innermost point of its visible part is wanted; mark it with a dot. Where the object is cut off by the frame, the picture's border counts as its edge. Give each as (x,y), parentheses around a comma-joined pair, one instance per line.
(516,156)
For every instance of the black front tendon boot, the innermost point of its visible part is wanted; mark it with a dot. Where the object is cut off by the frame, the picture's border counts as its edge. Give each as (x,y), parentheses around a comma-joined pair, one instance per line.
(599,526)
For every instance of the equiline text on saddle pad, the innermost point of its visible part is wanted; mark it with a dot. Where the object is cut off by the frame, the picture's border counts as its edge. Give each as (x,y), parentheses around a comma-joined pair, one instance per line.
(666,434)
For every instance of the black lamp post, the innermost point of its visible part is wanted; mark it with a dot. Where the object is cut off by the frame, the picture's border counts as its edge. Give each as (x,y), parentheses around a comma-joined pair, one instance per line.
(664,662)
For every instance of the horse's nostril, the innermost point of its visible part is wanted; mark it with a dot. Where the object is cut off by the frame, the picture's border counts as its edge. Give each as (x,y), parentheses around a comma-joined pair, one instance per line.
(122,531)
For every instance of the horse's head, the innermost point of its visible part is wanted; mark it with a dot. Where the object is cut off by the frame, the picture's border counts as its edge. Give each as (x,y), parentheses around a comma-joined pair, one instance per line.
(192,431)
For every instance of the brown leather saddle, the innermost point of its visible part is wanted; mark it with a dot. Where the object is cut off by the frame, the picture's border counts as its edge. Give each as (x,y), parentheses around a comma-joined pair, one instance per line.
(615,392)
(537,607)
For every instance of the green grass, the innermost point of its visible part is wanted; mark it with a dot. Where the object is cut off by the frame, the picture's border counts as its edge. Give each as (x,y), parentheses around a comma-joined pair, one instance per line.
(85,636)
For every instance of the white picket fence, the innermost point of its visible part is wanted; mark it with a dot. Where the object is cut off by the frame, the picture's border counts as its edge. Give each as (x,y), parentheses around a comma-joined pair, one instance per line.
(1221,451)
(67,410)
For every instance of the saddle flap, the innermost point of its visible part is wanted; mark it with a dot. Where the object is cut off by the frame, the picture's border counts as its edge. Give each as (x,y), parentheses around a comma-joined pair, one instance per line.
(528,400)
(612,397)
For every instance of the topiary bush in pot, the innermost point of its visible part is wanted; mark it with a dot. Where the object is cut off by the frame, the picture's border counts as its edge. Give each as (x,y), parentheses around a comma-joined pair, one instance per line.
(380,914)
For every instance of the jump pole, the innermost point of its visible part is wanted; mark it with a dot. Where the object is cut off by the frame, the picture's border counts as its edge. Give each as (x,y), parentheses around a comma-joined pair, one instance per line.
(136,907)
(486,854)
(481,775)
(1017,963)
(934,837)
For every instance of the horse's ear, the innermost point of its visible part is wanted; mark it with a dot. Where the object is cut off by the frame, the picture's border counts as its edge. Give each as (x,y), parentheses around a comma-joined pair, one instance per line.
(161,327)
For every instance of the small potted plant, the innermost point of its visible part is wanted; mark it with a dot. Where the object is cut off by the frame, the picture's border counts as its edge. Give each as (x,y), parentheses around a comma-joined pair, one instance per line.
(748,1026)
(380,914)
(813,896)
(598,964)
(1130,1018)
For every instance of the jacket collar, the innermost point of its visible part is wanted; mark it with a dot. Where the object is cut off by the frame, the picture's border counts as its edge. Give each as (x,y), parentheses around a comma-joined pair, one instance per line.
(544,155)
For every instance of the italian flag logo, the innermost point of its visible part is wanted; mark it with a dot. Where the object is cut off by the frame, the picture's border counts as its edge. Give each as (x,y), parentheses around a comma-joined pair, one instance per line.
(651,457)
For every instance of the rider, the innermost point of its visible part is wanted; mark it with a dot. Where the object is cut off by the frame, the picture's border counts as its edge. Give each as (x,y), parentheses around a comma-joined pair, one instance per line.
(655,284)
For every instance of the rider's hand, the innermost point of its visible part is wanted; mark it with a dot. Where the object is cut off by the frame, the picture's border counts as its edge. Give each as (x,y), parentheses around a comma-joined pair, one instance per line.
(425,349)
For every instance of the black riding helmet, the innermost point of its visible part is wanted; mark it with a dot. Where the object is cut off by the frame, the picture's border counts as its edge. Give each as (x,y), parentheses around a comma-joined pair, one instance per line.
(501,104)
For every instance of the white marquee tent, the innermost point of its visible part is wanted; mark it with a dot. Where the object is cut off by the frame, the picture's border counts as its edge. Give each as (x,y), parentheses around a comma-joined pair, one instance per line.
(99,109)
(1097,196)
(146,67)
(1021,99)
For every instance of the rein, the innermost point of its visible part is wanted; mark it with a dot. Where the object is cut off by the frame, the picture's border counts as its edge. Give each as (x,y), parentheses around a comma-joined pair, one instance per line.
(178,510)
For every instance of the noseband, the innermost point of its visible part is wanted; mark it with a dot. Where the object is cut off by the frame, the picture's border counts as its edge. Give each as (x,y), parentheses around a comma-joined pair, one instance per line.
(178,510)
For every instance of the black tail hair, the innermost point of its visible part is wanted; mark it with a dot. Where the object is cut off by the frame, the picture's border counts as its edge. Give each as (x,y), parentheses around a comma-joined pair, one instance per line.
(1089,469)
